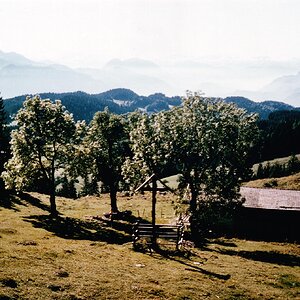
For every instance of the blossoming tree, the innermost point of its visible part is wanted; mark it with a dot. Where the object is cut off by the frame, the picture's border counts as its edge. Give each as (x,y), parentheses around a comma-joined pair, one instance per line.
(206,141)
(41,145)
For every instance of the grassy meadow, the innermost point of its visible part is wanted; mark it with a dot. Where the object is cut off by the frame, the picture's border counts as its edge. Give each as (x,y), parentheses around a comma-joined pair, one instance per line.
(79,256)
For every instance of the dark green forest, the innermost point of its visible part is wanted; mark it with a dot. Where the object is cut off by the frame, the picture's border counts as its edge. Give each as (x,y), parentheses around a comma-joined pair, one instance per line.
(120,101)
(280,135)
(83,106)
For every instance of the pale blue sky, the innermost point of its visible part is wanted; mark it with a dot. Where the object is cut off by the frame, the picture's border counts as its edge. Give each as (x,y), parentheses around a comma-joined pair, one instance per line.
(91,32)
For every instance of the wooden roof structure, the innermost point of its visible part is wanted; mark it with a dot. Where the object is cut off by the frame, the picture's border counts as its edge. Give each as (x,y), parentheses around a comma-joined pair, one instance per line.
(147,185)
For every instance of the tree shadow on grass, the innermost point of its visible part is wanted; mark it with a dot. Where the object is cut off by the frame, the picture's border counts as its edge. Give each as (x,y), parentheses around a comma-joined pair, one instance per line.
(73,228)
(175,256)
(224,243)
(10,201)
(206,272)
(34,201)
(272,257)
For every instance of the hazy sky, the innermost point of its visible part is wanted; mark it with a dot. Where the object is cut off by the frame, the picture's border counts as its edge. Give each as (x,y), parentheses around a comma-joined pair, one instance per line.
(91,32)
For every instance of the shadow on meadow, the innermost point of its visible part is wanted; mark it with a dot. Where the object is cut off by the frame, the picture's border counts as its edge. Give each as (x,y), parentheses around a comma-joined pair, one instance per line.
(34,201)
(10,201)
(193,268)
(116,232)
(73,228)
(183,257)
(272,257)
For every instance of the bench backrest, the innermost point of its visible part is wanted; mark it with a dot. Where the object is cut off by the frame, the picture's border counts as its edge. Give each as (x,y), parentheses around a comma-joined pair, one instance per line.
(161,230)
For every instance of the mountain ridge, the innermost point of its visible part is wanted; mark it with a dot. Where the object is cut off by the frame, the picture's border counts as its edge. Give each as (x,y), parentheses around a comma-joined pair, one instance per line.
(84,105)
(257,80)
(263,108)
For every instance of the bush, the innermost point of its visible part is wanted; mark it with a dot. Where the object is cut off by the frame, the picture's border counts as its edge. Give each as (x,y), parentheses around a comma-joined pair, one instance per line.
(272,183)
(213,218)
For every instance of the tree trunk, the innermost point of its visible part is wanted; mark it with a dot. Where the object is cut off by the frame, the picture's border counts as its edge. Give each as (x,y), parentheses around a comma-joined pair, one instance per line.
(53,210)
(113,198)
(193,209)
(154,191)
(193,202)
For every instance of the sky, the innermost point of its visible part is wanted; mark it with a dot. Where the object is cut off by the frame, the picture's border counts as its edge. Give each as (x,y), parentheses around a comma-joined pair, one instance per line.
(222,47)
(91,32)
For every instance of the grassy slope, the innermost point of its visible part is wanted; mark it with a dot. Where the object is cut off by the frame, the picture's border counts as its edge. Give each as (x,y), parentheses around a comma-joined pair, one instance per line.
(286,183)
(291,182)
(76,258)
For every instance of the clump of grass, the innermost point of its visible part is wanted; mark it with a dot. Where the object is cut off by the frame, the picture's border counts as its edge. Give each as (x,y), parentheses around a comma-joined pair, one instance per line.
(270,184)
(28,243)
(8,231)
(287,281)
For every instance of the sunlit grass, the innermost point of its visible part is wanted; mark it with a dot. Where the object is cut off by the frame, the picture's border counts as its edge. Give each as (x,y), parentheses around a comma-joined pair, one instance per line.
(291,182)
(79,257)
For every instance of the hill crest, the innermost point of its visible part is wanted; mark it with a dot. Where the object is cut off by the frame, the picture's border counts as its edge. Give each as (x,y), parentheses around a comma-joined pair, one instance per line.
(84,105)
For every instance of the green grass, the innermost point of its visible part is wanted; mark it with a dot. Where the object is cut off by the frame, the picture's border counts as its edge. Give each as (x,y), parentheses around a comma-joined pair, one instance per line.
(77,256)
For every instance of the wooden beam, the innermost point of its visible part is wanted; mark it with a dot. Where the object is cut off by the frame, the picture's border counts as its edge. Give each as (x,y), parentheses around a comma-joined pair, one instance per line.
(146,182)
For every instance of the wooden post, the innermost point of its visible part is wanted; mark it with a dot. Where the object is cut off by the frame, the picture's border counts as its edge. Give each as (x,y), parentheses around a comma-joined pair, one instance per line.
(154,190)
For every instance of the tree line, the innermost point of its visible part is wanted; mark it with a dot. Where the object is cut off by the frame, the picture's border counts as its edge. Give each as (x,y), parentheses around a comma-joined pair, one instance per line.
(207,141)
(276,169)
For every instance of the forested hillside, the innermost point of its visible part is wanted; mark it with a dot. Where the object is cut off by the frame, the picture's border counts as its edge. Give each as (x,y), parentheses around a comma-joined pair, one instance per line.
(280,135)
(262,108)
(119,101)
(83,106)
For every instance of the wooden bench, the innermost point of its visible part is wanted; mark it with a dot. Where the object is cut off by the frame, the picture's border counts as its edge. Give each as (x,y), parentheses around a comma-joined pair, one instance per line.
(168,233)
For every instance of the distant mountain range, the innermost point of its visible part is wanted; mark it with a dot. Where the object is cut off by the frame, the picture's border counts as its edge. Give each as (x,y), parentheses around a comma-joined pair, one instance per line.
(262,108)
(20,75)
(84,105)
(286,88)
